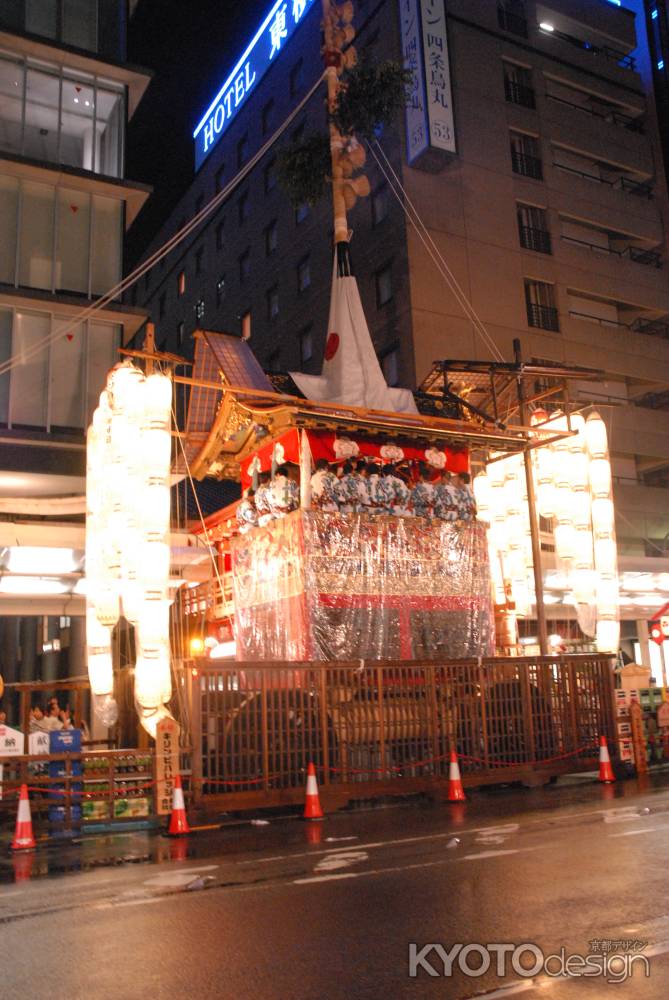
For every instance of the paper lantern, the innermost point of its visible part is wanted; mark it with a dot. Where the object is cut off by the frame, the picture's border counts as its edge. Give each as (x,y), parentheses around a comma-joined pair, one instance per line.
(606,556)
(566,540)
(577,443)
(600,477)
(603,516)
(158,398)
(578,470)
(580,511)
(596,438)
(607,596)
(608,635)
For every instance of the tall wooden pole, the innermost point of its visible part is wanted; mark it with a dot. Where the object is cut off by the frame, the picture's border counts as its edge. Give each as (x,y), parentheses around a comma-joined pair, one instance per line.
(542,631)
(332,57)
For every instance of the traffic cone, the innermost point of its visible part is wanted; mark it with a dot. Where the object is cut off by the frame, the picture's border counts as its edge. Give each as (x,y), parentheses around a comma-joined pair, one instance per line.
(23,837)
(312,804)
(178,821)
(456,792)
(605,770)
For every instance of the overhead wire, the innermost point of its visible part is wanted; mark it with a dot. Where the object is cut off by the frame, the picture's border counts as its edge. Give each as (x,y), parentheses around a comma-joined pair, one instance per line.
(113,293)
(415,219)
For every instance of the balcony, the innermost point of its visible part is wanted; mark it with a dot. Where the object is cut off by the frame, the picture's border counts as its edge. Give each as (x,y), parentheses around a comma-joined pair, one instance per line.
(543,317)
(640,189)
(518,93)
(604,113)
(526,165)
(650,258)
(651,327)
(622,59)
(538,240)
(515,24)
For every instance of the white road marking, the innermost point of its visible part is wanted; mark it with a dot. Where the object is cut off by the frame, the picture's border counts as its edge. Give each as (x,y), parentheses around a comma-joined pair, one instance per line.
(488,854)
(646,829)
(181,876)
(333,861)
(406,868)
(130,902)
(333,840)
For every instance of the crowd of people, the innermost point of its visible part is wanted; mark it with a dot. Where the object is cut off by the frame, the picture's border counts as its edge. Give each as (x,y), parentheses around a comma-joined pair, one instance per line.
(50,719)
(360,488)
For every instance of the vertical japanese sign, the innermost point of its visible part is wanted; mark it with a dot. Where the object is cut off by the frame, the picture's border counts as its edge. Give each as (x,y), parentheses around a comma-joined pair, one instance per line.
(167,764)
(429,114)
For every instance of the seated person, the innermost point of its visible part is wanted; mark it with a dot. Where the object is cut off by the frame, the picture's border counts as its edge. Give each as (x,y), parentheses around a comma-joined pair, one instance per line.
(247,515)
(445,499)
(284,494)
(323,487)
(421,502)
(261,499)
(465,497)
(392,493)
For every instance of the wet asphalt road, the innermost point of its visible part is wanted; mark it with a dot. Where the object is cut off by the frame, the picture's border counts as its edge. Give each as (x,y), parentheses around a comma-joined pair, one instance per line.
(286,910)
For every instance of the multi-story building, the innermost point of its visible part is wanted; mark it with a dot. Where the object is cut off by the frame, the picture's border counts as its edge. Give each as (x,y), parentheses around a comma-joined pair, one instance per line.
(547,200)
(65,95)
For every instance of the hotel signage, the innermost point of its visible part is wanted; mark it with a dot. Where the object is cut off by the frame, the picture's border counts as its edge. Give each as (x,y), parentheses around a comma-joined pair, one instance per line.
(262,51)
(430,125)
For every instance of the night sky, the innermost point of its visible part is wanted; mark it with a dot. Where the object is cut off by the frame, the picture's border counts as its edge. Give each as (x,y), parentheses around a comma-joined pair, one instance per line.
(190,47)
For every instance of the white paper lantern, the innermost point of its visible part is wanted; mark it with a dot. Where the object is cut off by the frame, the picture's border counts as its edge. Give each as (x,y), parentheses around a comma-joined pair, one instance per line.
(608,635)
(566,538)
(158,397)
(600,477)
(607,596)
(578,470)
(596,437)
(606,556)
(603,516)
(577,443)
(581,517)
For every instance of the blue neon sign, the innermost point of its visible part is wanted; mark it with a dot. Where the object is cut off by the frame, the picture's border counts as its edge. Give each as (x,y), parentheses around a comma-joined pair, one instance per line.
(261,52)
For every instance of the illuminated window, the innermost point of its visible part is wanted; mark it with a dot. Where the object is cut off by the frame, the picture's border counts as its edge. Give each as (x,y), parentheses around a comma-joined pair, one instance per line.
(181,283)
(246,325)
(303,274)
(199,310)
(181,330)
(306,345)
(379,205)
(384,285)
(220,290)
(272,303)
(271,238)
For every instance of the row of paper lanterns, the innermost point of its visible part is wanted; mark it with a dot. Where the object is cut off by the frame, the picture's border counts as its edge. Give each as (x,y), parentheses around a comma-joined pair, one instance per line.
(127,537)
(572,485)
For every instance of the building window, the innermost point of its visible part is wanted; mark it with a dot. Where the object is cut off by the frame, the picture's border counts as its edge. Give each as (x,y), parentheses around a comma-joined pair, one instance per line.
(306,345)
(533,229)
(243,207)
(199,258)
(384,285)
(390,365)
(220,290)
(245,265)
(301,212)
(379,204)
(525,158)
(270,176)
(181,283)
(199,310)
(518,85)
(161,306)
(218,178)
(271,238)
(220,237)
(243,150)
(296,77)
(267,116)
(540,302)
(511,17)
(246,325)
(272,297)
(303,274)
(181,330)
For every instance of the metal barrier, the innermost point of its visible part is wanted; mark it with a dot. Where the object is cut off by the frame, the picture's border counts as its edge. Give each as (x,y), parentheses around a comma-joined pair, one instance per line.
(98,787)
(379,728)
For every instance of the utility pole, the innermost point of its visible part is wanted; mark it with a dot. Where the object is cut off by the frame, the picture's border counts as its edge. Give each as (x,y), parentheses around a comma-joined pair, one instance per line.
(542,631)
(346,153)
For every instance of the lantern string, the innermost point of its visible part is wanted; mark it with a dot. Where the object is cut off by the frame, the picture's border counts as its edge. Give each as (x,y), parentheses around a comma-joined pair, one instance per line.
(114,293)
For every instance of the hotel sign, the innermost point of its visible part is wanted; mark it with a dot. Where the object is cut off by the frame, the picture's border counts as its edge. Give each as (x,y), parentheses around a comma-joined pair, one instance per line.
(429,120)
(262,51)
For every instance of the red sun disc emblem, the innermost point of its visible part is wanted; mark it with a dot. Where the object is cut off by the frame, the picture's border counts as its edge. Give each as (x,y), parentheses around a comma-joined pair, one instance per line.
(331,346)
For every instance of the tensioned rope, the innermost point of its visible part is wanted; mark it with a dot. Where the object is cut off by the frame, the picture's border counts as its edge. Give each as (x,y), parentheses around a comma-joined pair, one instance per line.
(428,242)
(95,307)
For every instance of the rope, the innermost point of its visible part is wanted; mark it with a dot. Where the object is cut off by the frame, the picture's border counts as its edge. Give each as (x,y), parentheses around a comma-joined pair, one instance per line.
(141,269)
(428,242)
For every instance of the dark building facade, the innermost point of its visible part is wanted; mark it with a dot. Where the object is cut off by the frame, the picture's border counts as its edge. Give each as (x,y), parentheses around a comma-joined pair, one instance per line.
(543,192)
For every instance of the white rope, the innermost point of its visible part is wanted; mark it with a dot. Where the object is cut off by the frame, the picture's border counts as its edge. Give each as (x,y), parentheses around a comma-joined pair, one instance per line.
(435,254)
(141,269)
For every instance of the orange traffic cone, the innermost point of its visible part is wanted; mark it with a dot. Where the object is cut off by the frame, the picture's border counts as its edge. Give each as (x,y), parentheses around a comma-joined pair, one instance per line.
(23,837)
(178,821)
(605,770)
(312,803)
(456,792)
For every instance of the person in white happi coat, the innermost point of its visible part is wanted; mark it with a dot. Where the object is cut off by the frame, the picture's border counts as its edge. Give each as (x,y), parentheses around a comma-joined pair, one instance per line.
(284,493)
(324,487)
